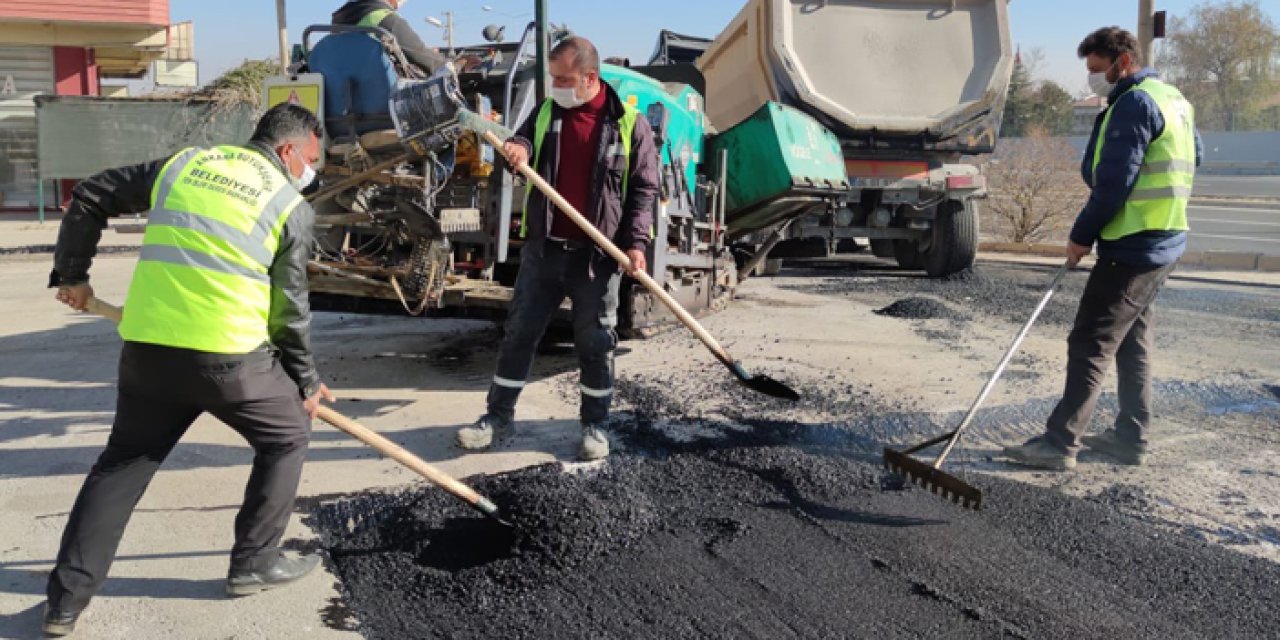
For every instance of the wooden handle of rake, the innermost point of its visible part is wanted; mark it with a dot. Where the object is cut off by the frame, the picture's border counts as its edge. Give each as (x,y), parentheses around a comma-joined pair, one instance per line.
(360,432)
(614,252)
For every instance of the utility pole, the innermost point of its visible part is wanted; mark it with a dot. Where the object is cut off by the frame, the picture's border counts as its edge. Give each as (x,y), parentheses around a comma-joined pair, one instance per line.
(284,37)
(1147,32)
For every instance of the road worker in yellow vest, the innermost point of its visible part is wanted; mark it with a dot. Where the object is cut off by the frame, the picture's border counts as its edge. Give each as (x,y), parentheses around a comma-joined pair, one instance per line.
(216,320)
(599,153)
(1139,165)
(385,14)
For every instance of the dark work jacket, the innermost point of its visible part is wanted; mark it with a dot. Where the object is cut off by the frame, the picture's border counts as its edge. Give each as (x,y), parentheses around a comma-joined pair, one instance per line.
(413,47)
(627,219)
(128,190)
(1135,122)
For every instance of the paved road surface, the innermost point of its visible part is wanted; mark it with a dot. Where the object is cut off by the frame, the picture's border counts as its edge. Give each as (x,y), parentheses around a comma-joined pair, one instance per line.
(1225,228)
(1238,186)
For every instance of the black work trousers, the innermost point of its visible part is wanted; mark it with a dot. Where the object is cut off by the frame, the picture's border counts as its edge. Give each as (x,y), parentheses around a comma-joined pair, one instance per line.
(543,283)
(1115,320)
(162,391)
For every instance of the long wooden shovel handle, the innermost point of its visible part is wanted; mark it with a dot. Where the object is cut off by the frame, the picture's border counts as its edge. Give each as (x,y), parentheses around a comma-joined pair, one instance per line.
(617,254)
(360,432)
(104,309)
(402,455)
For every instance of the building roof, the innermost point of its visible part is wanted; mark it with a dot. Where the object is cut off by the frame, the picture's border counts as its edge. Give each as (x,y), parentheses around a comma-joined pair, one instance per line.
(1092,101)
(126,35)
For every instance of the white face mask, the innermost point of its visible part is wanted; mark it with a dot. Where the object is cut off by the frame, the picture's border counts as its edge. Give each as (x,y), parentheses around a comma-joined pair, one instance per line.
(301,182)
(308,176)
(1098,84)
(567,97)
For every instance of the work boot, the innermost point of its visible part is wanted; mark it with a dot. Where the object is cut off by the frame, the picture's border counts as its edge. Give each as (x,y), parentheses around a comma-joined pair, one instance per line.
(1039,452)
(595,445)
(1109,442)
(487,431)
(58,623)
(281,572)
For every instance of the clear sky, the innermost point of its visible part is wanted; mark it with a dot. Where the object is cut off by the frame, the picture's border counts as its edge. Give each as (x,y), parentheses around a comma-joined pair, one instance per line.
(229,31)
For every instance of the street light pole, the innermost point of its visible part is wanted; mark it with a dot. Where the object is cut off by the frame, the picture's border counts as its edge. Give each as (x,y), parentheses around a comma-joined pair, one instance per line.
(448,29)
(447,25)
(540,17)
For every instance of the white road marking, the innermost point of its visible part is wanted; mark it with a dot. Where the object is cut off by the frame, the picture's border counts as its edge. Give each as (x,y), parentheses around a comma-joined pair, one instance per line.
(1242,238)
(1197,207)
(1248,222)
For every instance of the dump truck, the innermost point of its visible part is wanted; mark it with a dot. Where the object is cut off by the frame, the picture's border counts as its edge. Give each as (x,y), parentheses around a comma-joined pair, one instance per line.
(906,88)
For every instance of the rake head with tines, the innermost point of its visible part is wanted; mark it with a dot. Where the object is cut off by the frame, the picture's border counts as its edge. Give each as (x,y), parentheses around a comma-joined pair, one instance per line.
(931,476)
(933,479)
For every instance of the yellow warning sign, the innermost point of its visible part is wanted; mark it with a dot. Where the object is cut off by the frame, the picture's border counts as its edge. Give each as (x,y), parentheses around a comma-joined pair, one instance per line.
(304,89)
(307,96)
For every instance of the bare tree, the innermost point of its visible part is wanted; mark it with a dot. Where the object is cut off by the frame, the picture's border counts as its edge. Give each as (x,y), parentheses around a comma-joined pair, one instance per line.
(1224,58)
(1035,186)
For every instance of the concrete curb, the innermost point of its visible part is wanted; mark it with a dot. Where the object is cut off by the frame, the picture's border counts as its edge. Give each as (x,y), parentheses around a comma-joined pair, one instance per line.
(1224,260)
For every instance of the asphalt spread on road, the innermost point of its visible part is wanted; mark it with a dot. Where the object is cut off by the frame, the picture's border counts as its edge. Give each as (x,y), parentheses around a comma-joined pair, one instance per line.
(760,534)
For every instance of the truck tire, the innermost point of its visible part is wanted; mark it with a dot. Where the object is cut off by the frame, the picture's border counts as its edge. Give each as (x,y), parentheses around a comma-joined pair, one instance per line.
(955,239)
(882,248)
(908,255)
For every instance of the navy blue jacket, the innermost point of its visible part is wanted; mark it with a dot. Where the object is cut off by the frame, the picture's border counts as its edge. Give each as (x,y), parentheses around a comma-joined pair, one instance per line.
(1135,122)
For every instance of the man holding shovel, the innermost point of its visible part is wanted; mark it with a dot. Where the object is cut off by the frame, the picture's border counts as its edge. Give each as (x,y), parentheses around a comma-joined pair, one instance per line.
(599,153)
(1139,164)
(216,320)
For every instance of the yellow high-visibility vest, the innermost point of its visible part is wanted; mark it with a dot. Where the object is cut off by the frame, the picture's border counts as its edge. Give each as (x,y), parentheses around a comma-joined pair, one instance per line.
(1158,201)
(202,279)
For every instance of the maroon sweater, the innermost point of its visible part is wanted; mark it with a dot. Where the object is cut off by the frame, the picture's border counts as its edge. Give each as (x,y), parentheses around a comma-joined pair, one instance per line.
(579,144)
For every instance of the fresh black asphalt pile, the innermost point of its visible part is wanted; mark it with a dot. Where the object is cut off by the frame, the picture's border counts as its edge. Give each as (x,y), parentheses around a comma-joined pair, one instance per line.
(991,290)
(919,309)
(769,535)
(1011,292)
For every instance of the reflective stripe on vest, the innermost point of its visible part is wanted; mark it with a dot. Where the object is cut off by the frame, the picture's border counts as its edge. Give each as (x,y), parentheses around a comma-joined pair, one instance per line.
(202,278)
(1158,201)
(374,18)
(626,125)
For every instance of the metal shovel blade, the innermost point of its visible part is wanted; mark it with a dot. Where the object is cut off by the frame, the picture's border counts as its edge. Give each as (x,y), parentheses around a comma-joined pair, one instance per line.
(770,387)
(490,510)
(933,480)
(761,383)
